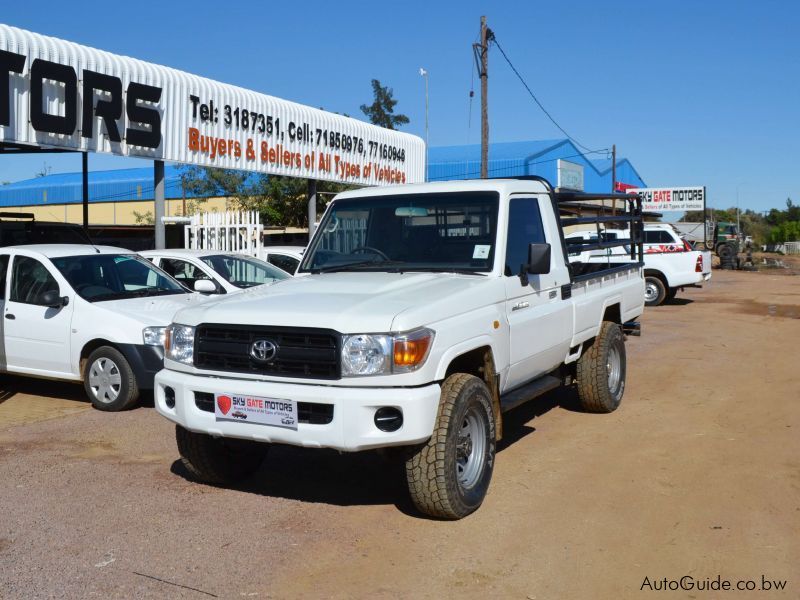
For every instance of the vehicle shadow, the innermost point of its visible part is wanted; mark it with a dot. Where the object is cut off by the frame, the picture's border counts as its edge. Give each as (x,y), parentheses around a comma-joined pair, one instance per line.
(679,302)
(12,385)
(371,477)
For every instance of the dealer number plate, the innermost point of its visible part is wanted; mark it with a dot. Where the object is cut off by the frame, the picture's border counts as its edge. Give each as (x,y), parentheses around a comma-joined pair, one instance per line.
(255,409)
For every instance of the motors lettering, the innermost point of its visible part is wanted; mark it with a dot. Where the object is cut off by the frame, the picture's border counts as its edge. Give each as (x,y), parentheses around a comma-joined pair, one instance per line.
(141,101)
(261,403)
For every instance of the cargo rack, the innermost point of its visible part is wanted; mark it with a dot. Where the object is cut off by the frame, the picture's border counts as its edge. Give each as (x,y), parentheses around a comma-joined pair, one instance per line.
(572,206)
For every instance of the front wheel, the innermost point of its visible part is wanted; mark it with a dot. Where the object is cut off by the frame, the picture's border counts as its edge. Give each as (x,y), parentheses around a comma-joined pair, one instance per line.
(109,380)
(449,476)
(601,371)
(217,460)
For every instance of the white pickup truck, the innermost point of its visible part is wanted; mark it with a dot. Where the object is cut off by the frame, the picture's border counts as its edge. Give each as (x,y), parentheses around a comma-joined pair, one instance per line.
(420,314)
(670,264)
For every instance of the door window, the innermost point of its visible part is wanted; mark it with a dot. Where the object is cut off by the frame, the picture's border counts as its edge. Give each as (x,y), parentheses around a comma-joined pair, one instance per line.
(30,280)
(524,228)
(183,271)
(3,272)
(286,263)
(658,236)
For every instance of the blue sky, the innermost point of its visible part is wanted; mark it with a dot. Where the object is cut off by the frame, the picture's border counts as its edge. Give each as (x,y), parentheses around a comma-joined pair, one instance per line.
(694,93)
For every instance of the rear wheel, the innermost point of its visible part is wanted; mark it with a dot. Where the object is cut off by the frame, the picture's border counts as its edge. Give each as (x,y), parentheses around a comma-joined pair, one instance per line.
(654,290)
(449,476)
(218,460)
(601,371)
(109,380)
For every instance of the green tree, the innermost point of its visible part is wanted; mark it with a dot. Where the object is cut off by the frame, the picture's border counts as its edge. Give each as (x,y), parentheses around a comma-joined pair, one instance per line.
(381,111)
(280,201)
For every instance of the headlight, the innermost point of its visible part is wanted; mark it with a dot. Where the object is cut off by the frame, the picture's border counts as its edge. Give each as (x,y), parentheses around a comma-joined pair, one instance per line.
(364,354)
(154,336)
(379,354)
(179,343)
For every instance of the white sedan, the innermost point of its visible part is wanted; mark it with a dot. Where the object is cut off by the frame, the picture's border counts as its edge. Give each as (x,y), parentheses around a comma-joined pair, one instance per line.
(214,271)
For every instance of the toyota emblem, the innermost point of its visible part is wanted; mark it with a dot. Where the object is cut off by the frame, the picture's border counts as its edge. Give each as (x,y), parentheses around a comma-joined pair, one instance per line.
(263,350)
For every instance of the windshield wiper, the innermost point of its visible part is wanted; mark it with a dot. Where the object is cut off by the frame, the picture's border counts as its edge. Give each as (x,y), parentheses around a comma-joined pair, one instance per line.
(143,293)
(355,266)
(456,270)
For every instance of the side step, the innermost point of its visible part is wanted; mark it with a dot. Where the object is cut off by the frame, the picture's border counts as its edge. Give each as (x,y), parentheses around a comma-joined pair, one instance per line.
(633,328)
(529,391)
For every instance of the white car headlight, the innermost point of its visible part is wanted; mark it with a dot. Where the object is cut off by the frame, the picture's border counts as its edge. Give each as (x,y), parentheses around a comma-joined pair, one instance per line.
(365,354)
(154,336)
(379,354)
(179,343)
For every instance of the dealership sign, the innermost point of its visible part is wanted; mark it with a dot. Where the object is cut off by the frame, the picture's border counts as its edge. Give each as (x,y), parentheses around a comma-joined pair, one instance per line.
(667,199)
(570,175)
(59,94)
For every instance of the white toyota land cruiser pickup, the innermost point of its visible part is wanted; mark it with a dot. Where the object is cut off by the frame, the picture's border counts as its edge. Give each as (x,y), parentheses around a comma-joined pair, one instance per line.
(419,315)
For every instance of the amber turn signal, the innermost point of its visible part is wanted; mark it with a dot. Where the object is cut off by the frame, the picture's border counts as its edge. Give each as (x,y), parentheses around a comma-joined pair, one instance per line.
(410,351)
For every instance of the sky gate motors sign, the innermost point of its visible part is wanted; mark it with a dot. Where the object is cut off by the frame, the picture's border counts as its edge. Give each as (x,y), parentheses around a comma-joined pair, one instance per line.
(59,94)
(667,199)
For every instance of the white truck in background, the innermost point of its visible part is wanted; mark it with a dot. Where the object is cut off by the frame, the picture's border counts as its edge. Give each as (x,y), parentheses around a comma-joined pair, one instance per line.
(670,264)
(418,316)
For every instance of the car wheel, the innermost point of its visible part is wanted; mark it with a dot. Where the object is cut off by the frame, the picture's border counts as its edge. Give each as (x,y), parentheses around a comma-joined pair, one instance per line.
(601,371)
(448,477)
(654,290)
(109,380)
(218,460)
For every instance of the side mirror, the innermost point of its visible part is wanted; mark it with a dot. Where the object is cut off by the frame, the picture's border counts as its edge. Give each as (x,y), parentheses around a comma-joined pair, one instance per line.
(205,286)
(53,299)
(538,259)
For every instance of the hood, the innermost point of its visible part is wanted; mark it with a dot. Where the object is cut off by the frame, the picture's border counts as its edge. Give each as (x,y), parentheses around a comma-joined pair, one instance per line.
(156,310)
(350,302)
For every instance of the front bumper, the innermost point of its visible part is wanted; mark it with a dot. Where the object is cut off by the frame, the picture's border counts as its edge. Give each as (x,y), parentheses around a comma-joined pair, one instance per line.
(352,427)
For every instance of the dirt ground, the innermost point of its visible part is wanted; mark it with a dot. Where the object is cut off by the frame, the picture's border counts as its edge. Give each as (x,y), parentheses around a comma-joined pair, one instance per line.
(697,474)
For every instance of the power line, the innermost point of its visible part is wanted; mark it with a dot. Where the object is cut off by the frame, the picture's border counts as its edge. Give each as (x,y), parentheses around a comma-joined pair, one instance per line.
(535,99)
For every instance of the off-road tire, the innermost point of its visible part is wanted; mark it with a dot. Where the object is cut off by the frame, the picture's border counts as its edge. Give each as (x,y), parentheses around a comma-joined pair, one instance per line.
(128,393)
(659,290)
(671,293)
(219,461)
(726,251)
(432,468)
(596,390)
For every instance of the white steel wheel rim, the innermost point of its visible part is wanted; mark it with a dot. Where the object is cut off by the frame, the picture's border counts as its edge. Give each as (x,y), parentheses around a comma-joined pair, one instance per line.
(105,380)
(471,448)
(614,369)
(650,291)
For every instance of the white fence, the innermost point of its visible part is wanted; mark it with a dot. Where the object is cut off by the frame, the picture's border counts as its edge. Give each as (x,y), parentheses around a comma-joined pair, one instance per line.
(791,247)
(229,231)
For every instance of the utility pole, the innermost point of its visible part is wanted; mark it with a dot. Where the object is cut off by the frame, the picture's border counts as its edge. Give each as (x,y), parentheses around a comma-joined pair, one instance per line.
(614,178)
(483,52)
(613,168)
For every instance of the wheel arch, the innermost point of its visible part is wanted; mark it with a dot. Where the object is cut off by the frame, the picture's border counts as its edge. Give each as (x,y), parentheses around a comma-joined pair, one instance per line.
(90,347)
(478,360)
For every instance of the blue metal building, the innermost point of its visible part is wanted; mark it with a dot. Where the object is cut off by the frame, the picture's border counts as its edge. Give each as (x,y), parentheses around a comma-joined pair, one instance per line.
(104,186)
(446,163)
(538,157)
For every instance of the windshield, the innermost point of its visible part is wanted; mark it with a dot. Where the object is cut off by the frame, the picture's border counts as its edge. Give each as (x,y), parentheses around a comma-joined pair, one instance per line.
(243,271)
(99,277)
(414,232)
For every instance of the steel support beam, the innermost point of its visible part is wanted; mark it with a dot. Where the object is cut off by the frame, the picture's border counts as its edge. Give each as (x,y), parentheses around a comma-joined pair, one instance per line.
(158,197)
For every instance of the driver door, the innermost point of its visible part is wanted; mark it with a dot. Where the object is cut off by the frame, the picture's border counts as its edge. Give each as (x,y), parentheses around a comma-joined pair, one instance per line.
(36,337)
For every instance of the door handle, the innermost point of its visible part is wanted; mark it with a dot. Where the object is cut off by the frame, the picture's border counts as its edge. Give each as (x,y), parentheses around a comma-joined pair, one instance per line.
(10,316)
(520,306)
